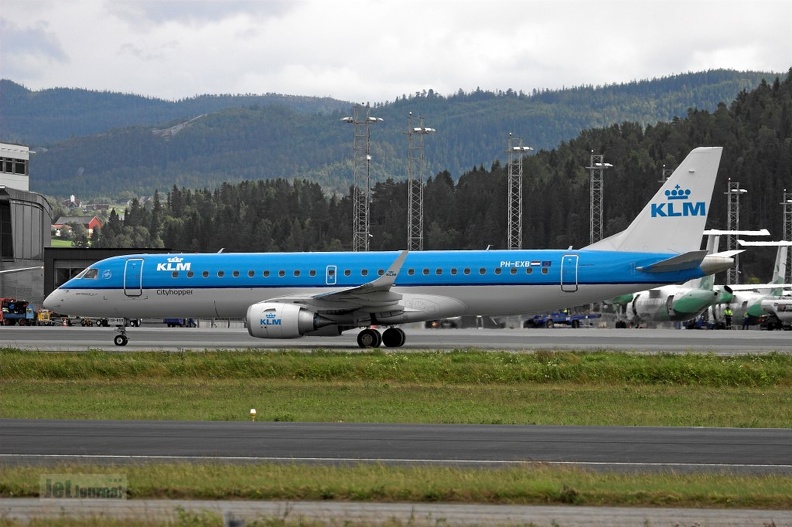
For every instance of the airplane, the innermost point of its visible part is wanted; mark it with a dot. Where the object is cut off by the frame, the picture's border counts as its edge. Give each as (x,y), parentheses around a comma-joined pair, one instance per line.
(781,308)
(749,299)
(672,303)
(290,295)
(679,303)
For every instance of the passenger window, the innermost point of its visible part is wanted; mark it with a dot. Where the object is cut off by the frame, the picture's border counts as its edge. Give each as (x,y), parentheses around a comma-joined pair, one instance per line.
(497,270)
(482,271)
(175,274)
(251,273)
(236,274)
(545,270)
(205,274)
(296,272)
(347,272)
(466,271)
(312,272)
(363,272)
(528,270)
(438,271)
(513,270)
(281,273)
(190,274)
(380,272)
(410,272)
(266,273)
(220,274)
(453,271)
(426,271)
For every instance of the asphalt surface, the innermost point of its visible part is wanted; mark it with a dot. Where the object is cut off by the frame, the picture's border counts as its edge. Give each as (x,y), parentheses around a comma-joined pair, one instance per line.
(634,448)
(158,337)
(416,514)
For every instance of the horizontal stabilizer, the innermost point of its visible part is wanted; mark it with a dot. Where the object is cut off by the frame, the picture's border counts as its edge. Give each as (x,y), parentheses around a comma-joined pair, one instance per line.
(679,262)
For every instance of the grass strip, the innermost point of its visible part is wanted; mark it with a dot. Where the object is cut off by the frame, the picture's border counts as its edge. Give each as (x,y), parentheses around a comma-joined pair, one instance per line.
(562,403)
(523,484)
(454,367)
(564,388)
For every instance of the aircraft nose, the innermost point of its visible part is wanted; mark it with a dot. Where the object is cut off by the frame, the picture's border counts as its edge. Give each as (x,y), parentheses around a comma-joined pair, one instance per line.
(54,301)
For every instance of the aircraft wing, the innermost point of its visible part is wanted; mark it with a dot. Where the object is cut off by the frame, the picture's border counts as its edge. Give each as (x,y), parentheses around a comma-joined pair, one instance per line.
(21,269)
(371,297)
(758,287)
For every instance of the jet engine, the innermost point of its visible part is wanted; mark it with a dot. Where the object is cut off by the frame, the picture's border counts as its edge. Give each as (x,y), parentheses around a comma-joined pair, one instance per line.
(273,320)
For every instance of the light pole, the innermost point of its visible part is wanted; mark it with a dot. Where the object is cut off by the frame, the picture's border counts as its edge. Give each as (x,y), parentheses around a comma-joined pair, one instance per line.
(733,212)
(596,168)
(361,190)
(516,152)
(787,204)
(416,164)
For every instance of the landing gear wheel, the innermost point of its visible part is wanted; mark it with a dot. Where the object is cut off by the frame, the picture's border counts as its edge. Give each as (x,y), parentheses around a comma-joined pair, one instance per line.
(369,338)
(393,338)
(120,340)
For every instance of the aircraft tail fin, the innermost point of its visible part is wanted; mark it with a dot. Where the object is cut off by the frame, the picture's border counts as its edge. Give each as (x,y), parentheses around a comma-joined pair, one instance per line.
(779,268)
(673,220)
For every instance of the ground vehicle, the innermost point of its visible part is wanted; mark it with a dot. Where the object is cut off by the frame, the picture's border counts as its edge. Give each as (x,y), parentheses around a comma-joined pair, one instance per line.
(107,322)
(17,312)
(550,320)
(453,322)
(174,322)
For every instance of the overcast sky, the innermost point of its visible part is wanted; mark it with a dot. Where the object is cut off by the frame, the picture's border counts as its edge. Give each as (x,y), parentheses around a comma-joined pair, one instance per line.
(377,50)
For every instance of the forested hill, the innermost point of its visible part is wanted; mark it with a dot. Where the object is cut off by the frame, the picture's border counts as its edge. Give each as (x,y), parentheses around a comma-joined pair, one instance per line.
(49,116)
(287,137)
(755,131)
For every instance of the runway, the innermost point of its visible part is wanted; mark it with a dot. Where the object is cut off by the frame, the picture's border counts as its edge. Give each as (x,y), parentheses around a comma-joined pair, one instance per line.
(618,448)
(750,451)
(160,338)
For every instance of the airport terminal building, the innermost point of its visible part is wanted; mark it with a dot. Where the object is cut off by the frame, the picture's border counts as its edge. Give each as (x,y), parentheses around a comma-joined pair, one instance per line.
(25,223)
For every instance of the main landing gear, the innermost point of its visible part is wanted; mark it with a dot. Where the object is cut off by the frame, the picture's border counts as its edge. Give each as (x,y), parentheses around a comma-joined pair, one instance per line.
(371,338)
(121,339)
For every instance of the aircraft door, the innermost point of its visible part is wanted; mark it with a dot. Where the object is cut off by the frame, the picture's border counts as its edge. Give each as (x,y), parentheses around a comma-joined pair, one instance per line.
(330,274)
(569,273)
(670,305)
(133,277)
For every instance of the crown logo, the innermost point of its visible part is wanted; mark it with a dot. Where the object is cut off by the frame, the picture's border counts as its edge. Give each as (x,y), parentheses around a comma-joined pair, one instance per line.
(677,193)
(270,315)
(175,259)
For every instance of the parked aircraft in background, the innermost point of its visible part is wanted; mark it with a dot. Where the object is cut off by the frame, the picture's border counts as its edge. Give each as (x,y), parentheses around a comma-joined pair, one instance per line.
(749,298)
(677,303)
(289,295)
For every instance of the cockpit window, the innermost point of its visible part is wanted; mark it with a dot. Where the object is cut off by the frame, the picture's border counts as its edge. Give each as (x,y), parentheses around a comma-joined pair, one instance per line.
(91,272)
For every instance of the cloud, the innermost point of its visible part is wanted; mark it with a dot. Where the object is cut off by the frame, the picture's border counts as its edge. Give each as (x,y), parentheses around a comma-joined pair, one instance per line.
(377,50)
(194,12)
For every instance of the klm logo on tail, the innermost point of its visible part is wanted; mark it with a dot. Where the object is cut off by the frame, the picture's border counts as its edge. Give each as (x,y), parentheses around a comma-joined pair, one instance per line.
(677,205)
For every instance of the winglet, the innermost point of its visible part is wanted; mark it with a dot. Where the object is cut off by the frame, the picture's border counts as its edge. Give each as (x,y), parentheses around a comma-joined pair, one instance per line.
(387,280)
